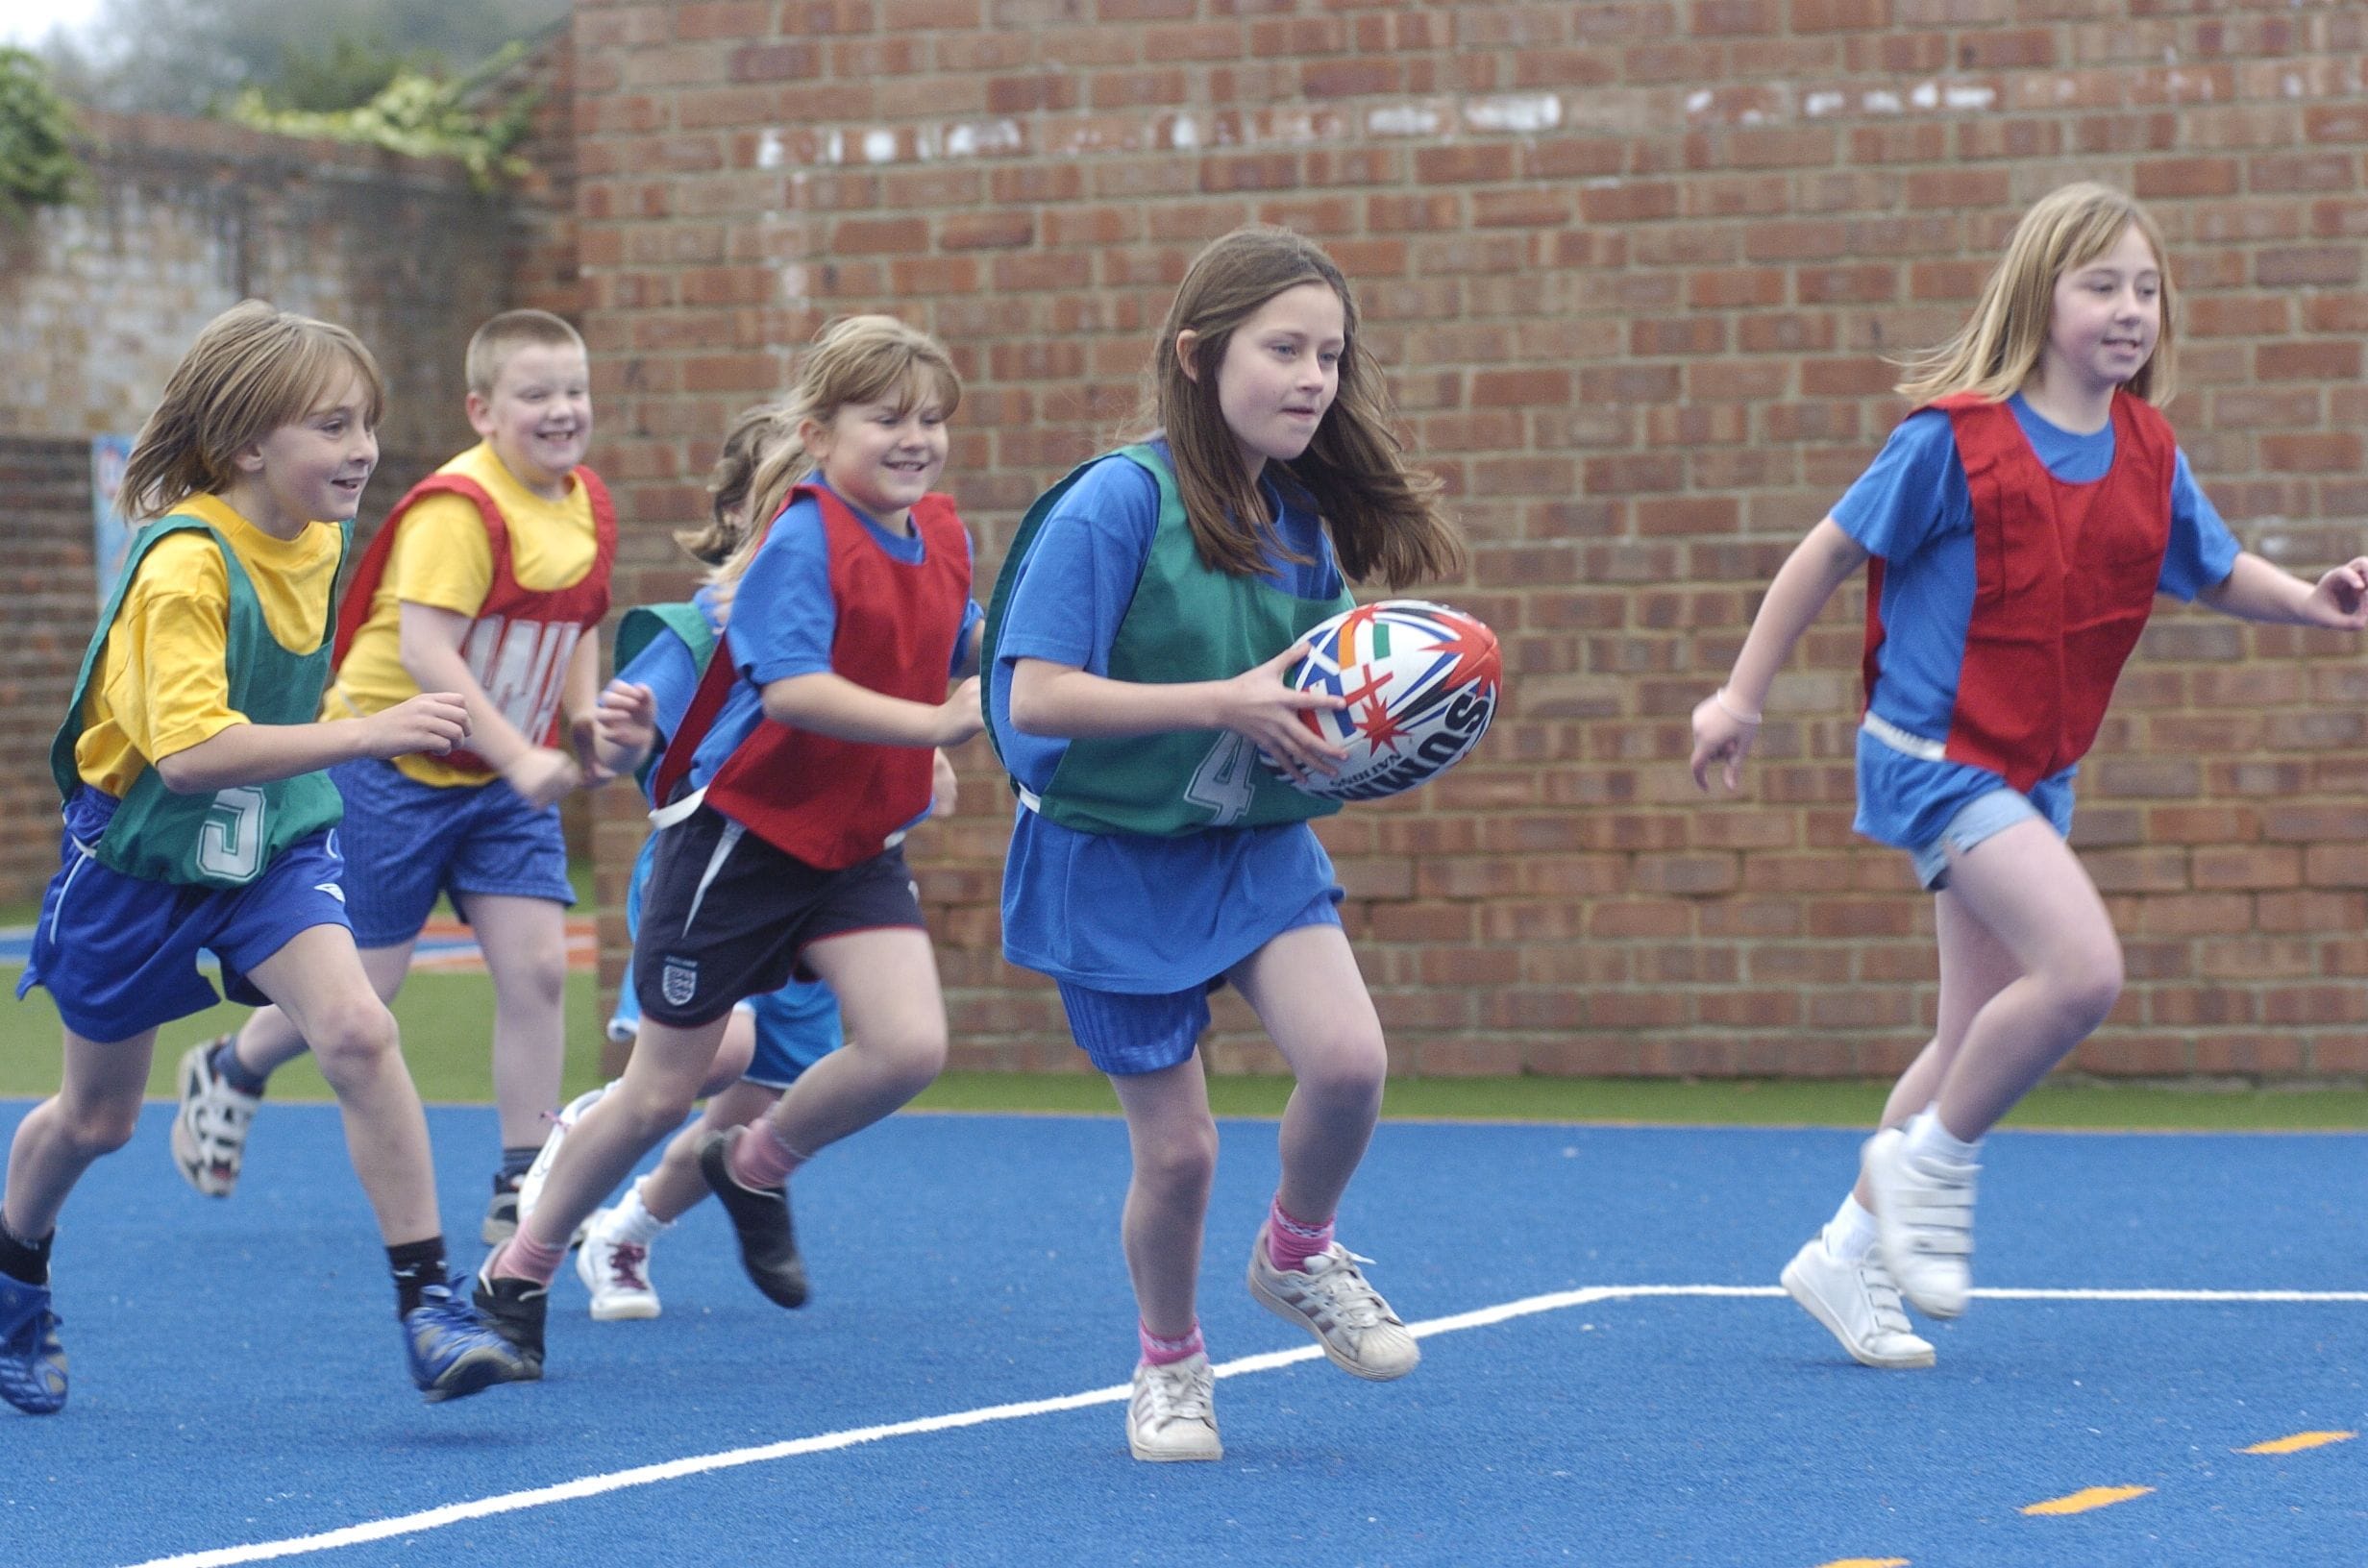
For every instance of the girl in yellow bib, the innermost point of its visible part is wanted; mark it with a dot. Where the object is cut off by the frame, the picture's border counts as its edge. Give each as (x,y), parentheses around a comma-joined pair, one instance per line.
(197,816)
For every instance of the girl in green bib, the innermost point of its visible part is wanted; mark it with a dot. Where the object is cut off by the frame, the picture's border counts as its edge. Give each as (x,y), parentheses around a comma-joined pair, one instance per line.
(1135,652)
(197,817)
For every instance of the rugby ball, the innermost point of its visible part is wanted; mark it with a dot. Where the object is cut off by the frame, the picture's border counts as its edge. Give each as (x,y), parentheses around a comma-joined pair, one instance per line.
(1420,681)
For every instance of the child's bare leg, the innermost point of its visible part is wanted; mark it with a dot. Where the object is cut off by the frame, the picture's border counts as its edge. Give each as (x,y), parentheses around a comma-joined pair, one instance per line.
(886,983)
(1307,990)
(93,1113)
(1173,1137)
(323,992)
(269,1039)
(674,1188)
(524,943)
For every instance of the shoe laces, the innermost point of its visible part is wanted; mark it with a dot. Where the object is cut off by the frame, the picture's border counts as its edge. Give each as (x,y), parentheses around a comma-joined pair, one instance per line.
(626,1262)
(1177,1391)
(1346,1294)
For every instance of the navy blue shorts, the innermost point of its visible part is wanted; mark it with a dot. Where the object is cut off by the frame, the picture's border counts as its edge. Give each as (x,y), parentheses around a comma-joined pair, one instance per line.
(120,953)
(406,842)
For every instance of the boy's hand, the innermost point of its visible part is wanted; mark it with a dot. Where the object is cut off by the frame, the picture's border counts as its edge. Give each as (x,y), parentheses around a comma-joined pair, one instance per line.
(2341,597)
(959,718)
(944,787)
(433,723)
(1259,707)
(1721,737)
(541,775)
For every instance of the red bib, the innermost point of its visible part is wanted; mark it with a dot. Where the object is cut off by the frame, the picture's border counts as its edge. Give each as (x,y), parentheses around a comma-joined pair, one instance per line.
(829,802)
(2066,579)
(519,649)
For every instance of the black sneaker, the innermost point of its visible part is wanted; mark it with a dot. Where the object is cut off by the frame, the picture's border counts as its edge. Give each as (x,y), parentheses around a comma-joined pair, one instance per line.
(455,1351)
(514,1309)
(760,1219)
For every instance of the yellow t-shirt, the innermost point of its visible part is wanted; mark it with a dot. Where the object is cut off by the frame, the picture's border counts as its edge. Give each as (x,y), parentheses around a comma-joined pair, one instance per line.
(162,686)
(443,557)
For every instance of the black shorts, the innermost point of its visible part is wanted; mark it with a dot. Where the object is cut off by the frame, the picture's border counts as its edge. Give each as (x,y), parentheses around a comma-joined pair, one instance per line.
(725,914)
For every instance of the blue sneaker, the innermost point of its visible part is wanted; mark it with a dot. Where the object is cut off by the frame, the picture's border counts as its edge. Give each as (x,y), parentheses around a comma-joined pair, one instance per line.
(32,1361)
(453,1351)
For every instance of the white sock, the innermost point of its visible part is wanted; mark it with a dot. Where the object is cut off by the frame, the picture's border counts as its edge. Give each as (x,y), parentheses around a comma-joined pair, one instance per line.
(1850,1234)
(1930,1142)
(632,1221)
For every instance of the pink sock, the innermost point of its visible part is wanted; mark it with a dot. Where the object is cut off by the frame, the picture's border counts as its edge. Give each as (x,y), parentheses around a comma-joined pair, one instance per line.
(1158,1351)
(1292,1243)
(762,1160)
(523,1258)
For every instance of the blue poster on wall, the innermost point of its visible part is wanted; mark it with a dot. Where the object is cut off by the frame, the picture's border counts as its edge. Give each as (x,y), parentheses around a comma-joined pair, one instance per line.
(110,535)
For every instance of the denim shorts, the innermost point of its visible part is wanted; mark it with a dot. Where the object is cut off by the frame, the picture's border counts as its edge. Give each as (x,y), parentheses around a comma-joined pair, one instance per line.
(1985,816)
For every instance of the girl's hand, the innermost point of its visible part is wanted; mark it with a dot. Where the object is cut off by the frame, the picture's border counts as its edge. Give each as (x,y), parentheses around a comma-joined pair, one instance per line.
(944,787)
(960,718)
(431,722)
(1257,705)
(1720,736)
(541,775)
(625,717)
(2341,597)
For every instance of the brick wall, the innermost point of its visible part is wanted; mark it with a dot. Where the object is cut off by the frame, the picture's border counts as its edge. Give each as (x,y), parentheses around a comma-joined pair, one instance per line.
(1637,264)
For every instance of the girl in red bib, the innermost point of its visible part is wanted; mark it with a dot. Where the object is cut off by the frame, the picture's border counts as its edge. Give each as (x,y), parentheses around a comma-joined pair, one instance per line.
(2017,528)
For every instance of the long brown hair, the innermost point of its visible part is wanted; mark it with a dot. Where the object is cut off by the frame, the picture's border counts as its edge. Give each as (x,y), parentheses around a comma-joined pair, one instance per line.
(1999,347)
(251,370)
(752,438)
(1382,513)
(856,359)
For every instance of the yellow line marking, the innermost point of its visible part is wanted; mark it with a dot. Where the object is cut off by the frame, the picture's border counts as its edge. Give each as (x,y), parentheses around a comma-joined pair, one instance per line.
(2300,1442)
(2087,1498)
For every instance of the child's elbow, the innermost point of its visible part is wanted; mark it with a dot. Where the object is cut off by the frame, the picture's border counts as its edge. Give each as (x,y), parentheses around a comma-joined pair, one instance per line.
(181,776)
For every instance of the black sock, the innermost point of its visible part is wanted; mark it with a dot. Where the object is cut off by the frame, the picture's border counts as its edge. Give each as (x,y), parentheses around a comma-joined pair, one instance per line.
(224,1060)
(415,1266)
(26,1262)
(514,1166)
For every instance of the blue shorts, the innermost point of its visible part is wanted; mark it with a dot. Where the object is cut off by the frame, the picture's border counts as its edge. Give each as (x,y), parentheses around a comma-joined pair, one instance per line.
(406,842)
(1988,816)
(795,1026)
(120,953)
(1127,1033)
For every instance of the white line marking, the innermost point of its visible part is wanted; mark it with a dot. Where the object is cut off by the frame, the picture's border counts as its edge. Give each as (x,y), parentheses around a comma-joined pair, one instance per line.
(648,1475)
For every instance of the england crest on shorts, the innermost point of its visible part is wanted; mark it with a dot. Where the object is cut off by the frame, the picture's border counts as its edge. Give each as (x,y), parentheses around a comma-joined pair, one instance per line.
(679,981)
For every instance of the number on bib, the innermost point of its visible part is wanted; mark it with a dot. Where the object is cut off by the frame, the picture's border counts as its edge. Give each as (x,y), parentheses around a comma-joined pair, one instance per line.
(231,843)
(1225,780)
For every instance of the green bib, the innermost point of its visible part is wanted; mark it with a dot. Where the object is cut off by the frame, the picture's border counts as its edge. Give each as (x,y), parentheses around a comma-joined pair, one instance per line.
(226,839)
(1186,622)
(641,626)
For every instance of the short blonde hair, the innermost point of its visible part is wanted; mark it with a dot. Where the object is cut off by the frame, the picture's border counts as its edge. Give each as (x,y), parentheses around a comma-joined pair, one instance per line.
(491,345)
(1999,347)
(251,370)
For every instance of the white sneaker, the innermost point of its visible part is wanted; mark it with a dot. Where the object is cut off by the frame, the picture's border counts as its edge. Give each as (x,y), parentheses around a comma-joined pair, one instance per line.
(210,1130)
(1328,1298)
(1858,1303)
(1923,1222)
(1174,1413)
(617,1273)
(531,1184)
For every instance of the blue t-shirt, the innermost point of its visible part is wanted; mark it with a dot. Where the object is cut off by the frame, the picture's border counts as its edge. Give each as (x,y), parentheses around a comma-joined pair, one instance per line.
(1914,508)
(784,616)
(1128,912)
(666,667)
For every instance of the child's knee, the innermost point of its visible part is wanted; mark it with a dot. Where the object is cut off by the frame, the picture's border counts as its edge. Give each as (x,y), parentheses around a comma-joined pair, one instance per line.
(913,1060)
(1346,1070)
(2089,981)
(100,1125)
(1181,1162)
(353,1036)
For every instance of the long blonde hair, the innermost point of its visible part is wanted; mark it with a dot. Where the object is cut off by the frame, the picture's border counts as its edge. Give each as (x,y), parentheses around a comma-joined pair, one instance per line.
(251,370)
(1999,347)
(1382,513)
(854,359)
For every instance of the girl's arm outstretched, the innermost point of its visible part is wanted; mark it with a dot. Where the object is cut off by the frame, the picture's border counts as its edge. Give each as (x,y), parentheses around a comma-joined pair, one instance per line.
(2255,590)
(1728,720)
(1061,699)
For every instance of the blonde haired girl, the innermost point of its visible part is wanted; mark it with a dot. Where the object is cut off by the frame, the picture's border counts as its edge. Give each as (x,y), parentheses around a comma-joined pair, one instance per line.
(2020,522)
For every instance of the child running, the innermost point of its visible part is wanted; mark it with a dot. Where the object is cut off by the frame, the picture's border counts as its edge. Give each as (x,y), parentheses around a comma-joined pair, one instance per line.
(2020,523)
(812,728)
(771,1039)
(1137,640)
(197,817)
(485,580)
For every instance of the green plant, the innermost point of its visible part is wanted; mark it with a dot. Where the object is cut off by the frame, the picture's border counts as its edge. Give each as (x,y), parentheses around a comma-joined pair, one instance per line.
(37,167)
(419,115)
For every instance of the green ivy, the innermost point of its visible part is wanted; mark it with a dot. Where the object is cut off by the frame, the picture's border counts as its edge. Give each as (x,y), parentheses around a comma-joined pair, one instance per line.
(37,167)
(421,116)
